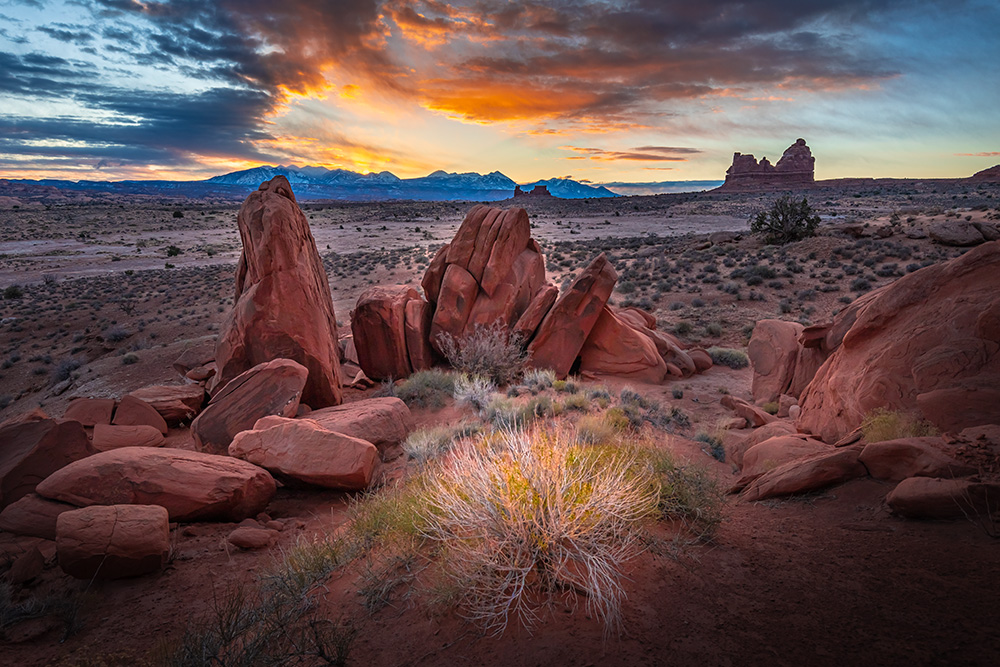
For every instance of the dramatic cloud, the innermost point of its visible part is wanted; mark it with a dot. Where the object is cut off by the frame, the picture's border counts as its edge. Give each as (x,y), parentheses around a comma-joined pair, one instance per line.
(640,154)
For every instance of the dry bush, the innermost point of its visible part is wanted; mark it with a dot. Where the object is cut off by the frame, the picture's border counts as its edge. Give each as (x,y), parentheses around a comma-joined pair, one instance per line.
(475,391)
(428,443)
(487,351)
(532,513)
(882,424)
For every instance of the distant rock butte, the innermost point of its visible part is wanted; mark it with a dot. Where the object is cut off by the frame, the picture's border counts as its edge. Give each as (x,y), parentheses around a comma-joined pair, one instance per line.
(991,175)
(797,166)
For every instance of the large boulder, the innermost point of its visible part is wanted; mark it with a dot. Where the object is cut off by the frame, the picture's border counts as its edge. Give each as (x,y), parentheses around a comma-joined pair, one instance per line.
(378,324)
(31,451)
(270,388)
(33,515)
(737,446)
(417,325)
(303,450)
(381,421)
(933,498)
(755,416)
(90,411)
(615,348)
(773,349)
(898,459)
(928,343)
(132,411)
(809,474)
(562,333)
(190,485)
(113,542)
(955,233)
(282,307)
(113,437)
(773,452)
(175,403)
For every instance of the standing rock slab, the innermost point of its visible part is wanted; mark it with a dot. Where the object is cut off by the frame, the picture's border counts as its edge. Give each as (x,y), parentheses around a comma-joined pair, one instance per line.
(190,485)
(270,388)
(305,451)
(113,542)
(378,324)
(90,411)
(33,515)
(134,411)
(417,325)
(773,350)
(113,437)
(282,307)
(567,325)
(175,403)
(31,451)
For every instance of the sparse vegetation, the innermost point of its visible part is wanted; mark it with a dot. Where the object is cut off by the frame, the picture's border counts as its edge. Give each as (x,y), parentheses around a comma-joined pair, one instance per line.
(882,424)
(727,356)
(786,221)
(487,351)
(428,388)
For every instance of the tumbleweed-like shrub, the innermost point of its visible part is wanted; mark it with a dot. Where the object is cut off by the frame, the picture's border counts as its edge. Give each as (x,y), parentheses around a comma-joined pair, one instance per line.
(530,512)
(486,351)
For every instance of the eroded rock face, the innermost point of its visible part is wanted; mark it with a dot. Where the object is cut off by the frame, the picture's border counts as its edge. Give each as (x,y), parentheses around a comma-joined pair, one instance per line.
(282,308)
(927,344)
(303,450)
(132,411)
(31,451)
(270,388)
(113,542)
(617,349)
(113,437)
(190,485)
(796,167)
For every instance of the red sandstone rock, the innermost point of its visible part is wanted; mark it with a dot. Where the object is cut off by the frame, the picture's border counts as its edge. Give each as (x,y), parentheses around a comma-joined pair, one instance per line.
(796,167)
(201,373)
(198,352)
(701,358)
(754,415)
(33,515)
(190,485)
(113,542)
(527,324)
(931,498)
(378,324)
(896,460)
(133,411)
(31,451)
(175,403)
(431,282)
(773,350)
(247,537)
(955,233)
(114,437)
(283,308)
(455,301)
(303,450)
(417,327)
(380,421)
(461,248)
(567,325)
(773,452)
(804,475)
(271,388)
(511,240)
(615,348)
(738,447)
(927,343)
(90,411)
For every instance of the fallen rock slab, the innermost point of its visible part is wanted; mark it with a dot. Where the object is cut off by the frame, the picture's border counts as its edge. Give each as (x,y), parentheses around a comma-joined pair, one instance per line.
(303,450)
(932,498)
(804,475)
(134,411)
(33,515)
(955,233)
(381,421)
(895,460)
(175,403)
(113,542)
(754,415)
(190,485)
(31,451)
(773,452)
(90,411)
(113,437)
(270,388)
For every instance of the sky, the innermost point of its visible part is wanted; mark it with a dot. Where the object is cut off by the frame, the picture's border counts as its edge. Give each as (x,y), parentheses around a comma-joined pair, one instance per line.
(610,91)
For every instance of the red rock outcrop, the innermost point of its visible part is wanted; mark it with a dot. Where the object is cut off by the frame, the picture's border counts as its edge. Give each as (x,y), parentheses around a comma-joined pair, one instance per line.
(31,451)
(927,344)
(282,308)
(113,542)
(896,460)
(797,166)
(616,348)
(378,324)
(270,388)
(303,450)
(190,485)
(990,175)
(809,474)
(381,421)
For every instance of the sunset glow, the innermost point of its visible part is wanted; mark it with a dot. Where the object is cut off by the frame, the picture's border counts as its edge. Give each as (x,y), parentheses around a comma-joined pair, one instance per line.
(186,89)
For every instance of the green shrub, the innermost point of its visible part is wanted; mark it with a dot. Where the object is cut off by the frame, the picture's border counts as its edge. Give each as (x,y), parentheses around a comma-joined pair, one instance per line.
(727,356)
(486,351)
(577,402)
(715,448)
(428,388)
(882,424)
(786,221)
(173,251)
(538,379)
(13,292)
(771,407)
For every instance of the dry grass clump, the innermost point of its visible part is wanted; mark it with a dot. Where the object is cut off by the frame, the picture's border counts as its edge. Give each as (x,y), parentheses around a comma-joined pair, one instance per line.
(428,388)
(475,391)
(487,351)
(882,424)
(535,513)
(727,356)
(428,443)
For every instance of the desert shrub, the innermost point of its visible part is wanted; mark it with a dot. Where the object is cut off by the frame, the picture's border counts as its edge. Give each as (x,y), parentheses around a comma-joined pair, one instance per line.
(63,371)
(713,329)
(537,514)
(130,358)
(686,493)
(771,407)
(502,412)
(13,292)
(639,410)
(602,429)
(173,251)
(786,221)
(678,393)
(683,327)
(538,379)
(578,402)
(429,443)
(727,356)
(427,388)
(715,448)
(474,391)
(882,424)
(485,351)
(116,334)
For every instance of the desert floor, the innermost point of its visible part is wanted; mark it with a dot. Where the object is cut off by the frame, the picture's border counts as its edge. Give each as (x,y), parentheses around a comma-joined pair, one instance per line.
(825,579)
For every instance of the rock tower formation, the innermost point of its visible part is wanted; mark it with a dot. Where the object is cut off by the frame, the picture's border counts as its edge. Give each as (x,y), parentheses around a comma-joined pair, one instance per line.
(796,167)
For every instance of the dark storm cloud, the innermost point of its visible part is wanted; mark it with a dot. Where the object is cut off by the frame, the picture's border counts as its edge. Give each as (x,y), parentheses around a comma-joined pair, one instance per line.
(67,33)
